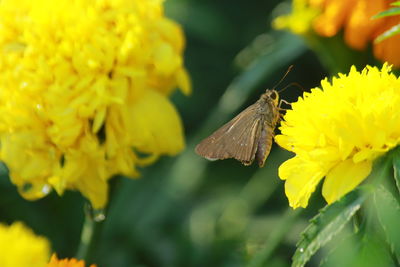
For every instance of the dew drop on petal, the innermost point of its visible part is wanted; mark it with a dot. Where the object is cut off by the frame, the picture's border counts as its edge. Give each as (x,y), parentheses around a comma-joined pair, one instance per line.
(46,189)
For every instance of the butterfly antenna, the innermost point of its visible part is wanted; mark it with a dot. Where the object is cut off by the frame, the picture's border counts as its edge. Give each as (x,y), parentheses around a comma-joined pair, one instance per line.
(292,84)
(284,76)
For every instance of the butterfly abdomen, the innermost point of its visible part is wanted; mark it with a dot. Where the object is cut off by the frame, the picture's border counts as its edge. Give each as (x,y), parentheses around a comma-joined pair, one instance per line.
(264,144)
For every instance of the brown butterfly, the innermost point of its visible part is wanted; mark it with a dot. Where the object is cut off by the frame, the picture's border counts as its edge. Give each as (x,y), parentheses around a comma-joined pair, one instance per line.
(249,135)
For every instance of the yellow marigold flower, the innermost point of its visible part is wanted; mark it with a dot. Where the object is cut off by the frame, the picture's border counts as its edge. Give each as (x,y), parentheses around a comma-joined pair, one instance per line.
(55,262)
(328,17)
(299,21)
(20,247)
(337,131)
(84,86)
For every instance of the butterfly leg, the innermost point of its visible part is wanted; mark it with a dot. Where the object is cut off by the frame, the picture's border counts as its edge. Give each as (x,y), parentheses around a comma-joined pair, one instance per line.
(284,101)
(283,109)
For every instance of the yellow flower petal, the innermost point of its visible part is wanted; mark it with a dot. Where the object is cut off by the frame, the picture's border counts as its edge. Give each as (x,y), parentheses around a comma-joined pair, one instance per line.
(301,180)
(19,246)
(154,125)
(343,178)
(165,59)
(184,81)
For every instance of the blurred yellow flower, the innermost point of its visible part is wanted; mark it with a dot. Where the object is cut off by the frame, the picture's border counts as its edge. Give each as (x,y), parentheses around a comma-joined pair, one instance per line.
(300,20)
(20,247)
(328,17)
(84,87)
(337,131)
(55,262)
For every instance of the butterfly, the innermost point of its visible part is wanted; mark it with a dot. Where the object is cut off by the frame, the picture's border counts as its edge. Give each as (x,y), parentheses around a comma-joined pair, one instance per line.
(246,137)
(249,135)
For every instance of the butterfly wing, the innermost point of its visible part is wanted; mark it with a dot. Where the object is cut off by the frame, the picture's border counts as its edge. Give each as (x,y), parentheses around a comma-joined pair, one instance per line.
(236,139)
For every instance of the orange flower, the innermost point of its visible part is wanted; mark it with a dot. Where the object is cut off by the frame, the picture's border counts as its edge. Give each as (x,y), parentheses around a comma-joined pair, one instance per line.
(55,262)
(359,29)
(388,50)
(354,17)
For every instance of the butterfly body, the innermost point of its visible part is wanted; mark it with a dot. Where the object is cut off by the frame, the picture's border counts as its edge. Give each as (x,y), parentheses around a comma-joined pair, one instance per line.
(246,137)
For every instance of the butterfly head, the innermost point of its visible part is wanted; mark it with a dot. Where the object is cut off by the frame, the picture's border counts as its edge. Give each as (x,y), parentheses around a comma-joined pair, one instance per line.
(273,96)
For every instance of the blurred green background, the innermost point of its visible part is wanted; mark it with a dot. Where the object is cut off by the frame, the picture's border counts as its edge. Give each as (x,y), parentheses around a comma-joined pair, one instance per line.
(186,211)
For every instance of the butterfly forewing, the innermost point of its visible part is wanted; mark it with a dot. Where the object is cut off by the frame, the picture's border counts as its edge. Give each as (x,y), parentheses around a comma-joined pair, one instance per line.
(236,139)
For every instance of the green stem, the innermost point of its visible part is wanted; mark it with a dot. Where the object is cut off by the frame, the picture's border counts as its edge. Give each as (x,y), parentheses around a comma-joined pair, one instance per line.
(90,235)
(86,236)
(92,227)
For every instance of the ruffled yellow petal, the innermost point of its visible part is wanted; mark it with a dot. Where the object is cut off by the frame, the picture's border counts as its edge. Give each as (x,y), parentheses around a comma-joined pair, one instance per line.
(184,82)
(19,246)
(154,125)
(28,158)
(343,178)
(301,180)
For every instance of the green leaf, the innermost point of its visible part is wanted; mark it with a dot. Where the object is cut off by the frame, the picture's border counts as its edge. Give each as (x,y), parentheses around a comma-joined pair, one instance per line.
(396,169)
(395,3)
(390,12)
(388,212)
(328,223)
(363,249)
(389,33)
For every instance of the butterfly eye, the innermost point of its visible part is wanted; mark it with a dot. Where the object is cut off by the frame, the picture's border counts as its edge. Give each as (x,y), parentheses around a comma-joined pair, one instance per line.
(273,95)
